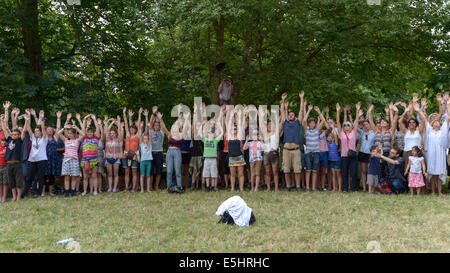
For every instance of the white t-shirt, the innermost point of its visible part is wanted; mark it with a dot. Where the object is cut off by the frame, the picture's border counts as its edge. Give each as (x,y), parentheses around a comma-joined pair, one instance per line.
(38,148)
(238,209)
(272,143)
(416,164)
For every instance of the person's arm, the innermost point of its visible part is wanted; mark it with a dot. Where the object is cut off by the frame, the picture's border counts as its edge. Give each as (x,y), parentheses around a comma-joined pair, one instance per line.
(125,121)
(4,126)
(327,113)
(392,118)
(219,90)
(98,132)
(321,119)
(336,137)
(283,113)
(140,129)
(163,126)
(372,124)
(305,119)
(33,113)
(146,128)
(120,129)
(338,122)
(300,110)
(14,113)
(130,119)
(401,124)
(42,122)
(424,167)
(389,160)
(422,117)
(245,145)
(69,116)
(27,125)
(6,106)
(358,113)
(81,133)
(386,114)
(407,168)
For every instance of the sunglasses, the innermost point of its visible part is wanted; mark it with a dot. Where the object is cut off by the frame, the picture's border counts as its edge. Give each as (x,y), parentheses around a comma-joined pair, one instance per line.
(346,125)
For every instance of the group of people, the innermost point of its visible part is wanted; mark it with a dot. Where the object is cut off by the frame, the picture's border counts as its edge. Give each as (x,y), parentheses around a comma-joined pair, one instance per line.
(407,150)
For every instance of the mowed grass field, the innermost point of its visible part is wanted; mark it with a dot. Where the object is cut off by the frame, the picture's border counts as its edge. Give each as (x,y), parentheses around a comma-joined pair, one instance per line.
(285,222)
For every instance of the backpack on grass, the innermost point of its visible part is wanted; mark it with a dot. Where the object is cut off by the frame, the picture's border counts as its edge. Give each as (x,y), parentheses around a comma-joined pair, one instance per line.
(384,188)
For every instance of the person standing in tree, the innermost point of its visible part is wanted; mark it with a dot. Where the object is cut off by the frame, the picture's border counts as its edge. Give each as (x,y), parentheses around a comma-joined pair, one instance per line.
(225,90)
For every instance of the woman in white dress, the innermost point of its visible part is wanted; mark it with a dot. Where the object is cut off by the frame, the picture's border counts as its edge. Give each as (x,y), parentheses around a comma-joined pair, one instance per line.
(436,141)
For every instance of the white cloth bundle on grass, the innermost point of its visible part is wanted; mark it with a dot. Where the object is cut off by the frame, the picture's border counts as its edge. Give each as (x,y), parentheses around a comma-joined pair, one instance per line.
(237,208)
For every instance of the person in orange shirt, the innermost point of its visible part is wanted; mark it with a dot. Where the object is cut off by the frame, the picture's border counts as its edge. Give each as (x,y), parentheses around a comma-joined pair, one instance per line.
(129,160)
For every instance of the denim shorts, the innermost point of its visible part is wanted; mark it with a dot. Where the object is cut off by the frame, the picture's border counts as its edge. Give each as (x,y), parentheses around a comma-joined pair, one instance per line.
(312,161)
(126,163)
(335,165)
(323,159)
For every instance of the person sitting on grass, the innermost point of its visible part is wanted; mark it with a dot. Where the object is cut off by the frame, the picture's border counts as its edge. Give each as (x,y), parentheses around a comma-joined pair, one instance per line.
(416,167)
(374,168)
(210,172)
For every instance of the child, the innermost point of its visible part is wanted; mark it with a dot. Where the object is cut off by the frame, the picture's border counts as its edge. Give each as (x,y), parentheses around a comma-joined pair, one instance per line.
(3,172)
(334,159)
(70,165)
(255,148)
(210,164)
(145,160)
(416,167)
(373,173)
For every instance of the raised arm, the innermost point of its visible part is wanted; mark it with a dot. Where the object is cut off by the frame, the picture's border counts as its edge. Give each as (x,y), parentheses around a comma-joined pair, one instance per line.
(33,113)
(42,123)
(5,126)
(283,114)
(125,121)
(163,126)
(369,113)
(393,117)
(140,129)
(400,120)
(305,119)
(338,121)
(321,119)
(98,131)
(27,126)
(14,113)
(6,106)
(358,113)
(300,110)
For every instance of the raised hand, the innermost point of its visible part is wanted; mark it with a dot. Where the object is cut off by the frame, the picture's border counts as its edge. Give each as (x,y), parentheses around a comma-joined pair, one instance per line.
(446,96)
(327,109)
(439,97)
(310,107)
(124,110)
(338,107)
(78,116)
(69,116)
(358,106)
(58,114)
(7,104)
(130,113)
(370,108)
(301,94)
(423,103)
(316,108)
(415,97)
(41,114)
(159,115)
(145,113)
(284,96)
(141,110)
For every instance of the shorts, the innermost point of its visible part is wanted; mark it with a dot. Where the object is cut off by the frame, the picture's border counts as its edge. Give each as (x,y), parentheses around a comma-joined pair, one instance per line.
(372,180)
(271,157)
(302,160)
(312,161)
(210,167)
(236,161)
(323,159)
(363,157)
(255,168)
(3,175)
(224,160)
(15,175)
(195,165)
(92,164)
(70,167)
(291,160)
(126,163)
(117,161)
(335,165)
(101,165)
(185,158)
(146,167)
(157,162)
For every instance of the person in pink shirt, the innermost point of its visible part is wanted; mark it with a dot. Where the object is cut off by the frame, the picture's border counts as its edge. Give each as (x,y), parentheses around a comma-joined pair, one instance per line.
(347,135)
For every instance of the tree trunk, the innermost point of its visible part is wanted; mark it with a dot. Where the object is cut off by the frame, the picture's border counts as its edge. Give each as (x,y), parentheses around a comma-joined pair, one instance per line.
(219,27)
(32,43)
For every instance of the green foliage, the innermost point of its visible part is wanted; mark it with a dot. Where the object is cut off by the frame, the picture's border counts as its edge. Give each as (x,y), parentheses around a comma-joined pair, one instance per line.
(103,55)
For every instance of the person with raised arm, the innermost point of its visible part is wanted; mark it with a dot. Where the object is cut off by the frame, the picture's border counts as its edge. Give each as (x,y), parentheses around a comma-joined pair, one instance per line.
(175,137)
(334,159)
(113,151)
(291,142)
(212,136)
(101,156)
(271,155)
(145,154)
(14,156)
(89,158)
(347,135)
(365,154)
(312,150)
(71,165)
(157,147)
(53,169)
(38,154)
(436,143)
(3,163)
(132,133)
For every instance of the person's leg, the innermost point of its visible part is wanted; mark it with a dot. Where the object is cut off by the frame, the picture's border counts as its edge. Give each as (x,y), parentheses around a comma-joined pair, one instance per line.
(257,177)
(345,173)
(287,165)
(233,177)
(177,162)
(170,165)
(127,175)
(308,179)
(186,176)
(275,176)
(4,192)
(267,169)
(315,167)
(94,179)
(141,179)
(241,178)
(439,184)
(32,174)
(115,169)
(354,173)
(364,169)
(335,180)
(134,175)
(85,180)
(433,184)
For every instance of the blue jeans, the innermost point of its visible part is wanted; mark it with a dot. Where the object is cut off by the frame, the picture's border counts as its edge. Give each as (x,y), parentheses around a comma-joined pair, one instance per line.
(397,185)
(173,160)
(346,164)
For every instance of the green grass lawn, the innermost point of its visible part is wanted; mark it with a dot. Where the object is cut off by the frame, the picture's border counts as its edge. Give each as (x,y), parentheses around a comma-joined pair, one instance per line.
(285,222)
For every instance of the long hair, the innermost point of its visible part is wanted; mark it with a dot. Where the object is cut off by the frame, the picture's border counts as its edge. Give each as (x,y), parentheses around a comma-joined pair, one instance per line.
(418,150)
